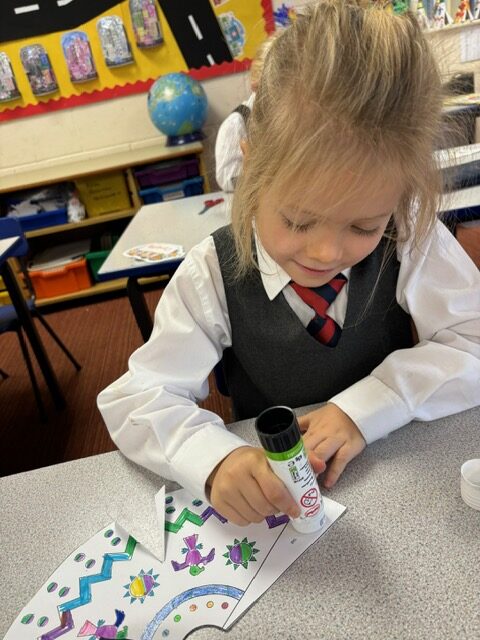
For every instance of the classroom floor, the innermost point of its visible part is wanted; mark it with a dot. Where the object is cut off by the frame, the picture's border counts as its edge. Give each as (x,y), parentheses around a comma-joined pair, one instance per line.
(101,336)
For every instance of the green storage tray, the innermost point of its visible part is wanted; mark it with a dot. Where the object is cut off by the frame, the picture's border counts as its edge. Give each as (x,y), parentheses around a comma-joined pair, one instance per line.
(95,260)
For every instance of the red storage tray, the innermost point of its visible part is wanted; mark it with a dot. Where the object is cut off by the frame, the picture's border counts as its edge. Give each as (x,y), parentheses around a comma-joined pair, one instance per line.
(57,282)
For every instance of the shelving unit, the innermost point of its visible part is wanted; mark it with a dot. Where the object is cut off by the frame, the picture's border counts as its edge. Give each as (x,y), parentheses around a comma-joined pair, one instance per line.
(123,157)
(97,289)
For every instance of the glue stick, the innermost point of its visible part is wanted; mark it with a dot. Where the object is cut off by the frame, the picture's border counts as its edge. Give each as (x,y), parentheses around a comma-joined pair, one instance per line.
(279,434)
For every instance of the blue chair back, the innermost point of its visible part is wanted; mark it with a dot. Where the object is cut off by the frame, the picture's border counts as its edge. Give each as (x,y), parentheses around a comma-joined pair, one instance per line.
(11,227)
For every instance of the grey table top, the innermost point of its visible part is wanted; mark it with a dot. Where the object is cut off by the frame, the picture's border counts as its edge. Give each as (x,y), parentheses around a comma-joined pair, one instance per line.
(403,562)
(6,246)
(175,222)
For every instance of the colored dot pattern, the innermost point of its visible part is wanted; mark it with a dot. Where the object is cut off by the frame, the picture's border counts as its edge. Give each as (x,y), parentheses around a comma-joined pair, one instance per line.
(90,563)
(169,500)
(170,509)
(115,541)
(42,621)
(192,608)
(79,557)
(108,533)
(27,619)
(197,503)
(52,586)
(63,591)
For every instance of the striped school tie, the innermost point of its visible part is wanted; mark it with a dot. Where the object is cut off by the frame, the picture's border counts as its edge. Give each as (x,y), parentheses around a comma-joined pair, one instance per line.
(322,327)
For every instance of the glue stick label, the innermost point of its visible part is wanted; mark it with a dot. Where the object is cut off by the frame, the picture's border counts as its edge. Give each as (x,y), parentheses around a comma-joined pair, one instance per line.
(295,471)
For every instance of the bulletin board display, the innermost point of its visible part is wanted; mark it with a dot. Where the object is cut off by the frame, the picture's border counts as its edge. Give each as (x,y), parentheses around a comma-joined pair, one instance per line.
(121,49)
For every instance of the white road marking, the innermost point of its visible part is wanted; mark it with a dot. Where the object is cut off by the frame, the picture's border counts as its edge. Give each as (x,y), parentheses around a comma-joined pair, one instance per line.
(62,3)
(195,27)
(210,59)
(27,8)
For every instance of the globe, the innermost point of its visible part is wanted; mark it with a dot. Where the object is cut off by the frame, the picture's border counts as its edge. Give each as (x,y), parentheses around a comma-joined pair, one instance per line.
(177,105)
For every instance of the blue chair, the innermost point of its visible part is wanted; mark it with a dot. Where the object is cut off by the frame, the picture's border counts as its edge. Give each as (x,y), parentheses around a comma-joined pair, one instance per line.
(9,320)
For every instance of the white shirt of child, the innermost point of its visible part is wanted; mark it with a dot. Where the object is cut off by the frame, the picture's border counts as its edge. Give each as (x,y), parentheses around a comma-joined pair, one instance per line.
(152,412)
(228,153)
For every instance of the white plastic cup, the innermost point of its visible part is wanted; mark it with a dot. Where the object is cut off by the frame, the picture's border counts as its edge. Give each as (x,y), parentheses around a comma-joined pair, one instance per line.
(470,483)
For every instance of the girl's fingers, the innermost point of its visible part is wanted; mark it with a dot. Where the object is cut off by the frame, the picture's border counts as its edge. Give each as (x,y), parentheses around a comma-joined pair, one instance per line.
(313,438)
(328,448)
(242,506)
(276,493)
(232,515)
(318,465)
(254,495)
(303,422)
(337,466)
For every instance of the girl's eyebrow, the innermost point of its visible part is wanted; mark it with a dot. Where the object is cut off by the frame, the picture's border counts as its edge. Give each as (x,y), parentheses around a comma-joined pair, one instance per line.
(380,215)
(297,211)
(311,214)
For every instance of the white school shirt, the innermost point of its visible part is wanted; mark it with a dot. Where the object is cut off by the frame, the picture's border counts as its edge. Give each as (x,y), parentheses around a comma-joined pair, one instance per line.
(228,153)
(152,412)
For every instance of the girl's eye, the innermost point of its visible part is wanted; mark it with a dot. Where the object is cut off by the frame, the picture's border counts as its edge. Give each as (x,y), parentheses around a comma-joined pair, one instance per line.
(365,232)
(301,228)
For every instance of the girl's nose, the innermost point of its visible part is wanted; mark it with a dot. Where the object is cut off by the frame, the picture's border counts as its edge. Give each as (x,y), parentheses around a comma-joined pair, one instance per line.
(325,248)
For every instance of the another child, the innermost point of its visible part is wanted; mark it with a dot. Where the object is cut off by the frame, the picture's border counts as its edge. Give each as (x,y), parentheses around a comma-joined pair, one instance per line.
(228,152)
(338,197)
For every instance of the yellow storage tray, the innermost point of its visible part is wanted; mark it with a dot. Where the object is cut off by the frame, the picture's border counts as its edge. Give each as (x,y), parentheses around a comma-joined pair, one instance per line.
(104,193)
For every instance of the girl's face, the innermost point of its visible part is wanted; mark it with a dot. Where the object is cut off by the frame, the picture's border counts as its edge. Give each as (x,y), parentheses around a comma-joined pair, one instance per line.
(327,232)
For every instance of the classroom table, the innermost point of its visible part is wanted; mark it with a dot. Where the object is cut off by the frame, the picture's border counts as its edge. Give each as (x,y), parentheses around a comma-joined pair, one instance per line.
(402,562)
(7,250)
(175,222)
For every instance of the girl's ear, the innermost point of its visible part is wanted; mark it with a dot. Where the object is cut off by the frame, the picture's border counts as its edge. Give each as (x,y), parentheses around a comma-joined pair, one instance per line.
(244,148)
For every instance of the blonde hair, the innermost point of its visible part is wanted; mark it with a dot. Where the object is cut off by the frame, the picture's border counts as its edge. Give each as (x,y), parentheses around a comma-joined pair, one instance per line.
(348,88)
(257,62)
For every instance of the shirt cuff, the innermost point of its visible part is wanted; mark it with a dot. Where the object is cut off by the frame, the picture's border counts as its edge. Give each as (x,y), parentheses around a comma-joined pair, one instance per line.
(375,408)
(200,454)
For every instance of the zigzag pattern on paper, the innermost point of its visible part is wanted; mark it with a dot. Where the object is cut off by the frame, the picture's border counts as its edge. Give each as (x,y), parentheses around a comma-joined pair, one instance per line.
(85,590)
(189,516)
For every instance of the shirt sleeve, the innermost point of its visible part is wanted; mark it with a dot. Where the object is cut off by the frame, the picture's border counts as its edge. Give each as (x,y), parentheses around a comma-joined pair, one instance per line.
(439,286)
(228,153)
(151,412)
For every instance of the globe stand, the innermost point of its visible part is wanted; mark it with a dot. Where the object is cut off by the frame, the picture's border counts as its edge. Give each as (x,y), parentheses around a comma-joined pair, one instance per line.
(185,138)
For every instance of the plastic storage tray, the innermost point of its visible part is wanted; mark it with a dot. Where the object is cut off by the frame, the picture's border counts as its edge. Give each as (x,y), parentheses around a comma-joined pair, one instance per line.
(104,193)
(169,171)
(44,219)
(57,282)
(184,189)
(4,298)
(95,260)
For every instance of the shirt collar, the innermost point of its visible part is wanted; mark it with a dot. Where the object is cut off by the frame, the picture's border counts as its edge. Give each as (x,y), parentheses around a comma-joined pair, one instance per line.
(274,278)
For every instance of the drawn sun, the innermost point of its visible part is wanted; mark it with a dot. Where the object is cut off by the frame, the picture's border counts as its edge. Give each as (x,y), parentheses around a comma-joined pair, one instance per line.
(240,553)
(141,586)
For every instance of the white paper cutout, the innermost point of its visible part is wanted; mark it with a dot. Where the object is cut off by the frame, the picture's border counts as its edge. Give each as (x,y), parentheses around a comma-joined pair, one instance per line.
(112,587)
(146,523)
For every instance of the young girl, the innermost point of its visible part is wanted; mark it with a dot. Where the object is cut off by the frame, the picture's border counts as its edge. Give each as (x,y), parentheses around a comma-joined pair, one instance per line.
(335,209)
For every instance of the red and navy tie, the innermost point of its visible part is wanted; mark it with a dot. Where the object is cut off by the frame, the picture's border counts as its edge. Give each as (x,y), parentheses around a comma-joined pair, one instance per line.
(322,327)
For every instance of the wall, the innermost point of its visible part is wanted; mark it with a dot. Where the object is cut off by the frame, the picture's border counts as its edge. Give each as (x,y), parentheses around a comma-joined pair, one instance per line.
(102,126)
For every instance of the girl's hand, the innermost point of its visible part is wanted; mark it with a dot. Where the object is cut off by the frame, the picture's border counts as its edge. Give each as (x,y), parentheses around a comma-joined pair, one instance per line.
(331,435)
(244,489)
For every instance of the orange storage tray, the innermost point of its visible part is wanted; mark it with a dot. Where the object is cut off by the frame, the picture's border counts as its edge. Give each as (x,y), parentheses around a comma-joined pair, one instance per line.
(57,282)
